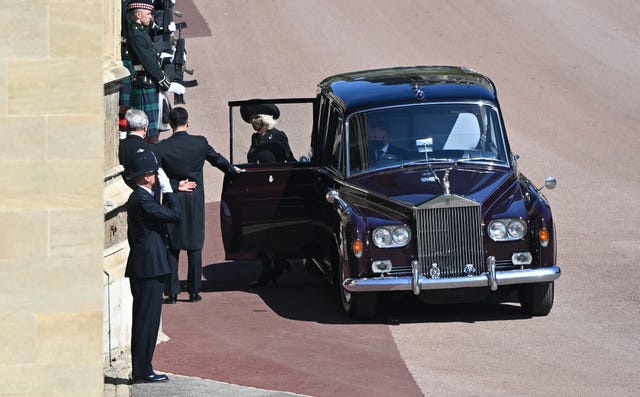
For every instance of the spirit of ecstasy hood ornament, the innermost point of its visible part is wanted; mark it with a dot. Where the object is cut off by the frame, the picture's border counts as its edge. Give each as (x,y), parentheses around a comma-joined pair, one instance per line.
(445,183)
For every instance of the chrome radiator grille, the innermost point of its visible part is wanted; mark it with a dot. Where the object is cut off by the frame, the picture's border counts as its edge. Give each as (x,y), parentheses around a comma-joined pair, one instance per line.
(449,234)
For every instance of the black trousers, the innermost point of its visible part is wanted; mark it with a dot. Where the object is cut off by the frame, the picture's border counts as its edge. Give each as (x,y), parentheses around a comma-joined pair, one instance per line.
(147,309)
(194,272)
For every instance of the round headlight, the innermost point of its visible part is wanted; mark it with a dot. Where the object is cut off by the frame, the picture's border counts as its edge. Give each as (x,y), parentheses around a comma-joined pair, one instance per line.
(381,237)
(497,230)
(391,236)
(517,229)
(400,235)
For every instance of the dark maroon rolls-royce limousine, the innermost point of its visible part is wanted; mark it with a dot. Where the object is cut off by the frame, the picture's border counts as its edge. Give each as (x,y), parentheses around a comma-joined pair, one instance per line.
(406,183)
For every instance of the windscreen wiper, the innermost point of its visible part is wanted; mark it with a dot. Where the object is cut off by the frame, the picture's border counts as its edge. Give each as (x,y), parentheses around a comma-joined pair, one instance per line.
(429,161)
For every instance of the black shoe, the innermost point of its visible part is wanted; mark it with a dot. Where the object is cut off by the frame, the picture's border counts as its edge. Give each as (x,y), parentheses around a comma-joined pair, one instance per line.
(171,299)
(150,378)
(195,297)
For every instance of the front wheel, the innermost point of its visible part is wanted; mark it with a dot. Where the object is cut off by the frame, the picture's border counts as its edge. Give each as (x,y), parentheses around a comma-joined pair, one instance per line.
(536,299)
(358,305)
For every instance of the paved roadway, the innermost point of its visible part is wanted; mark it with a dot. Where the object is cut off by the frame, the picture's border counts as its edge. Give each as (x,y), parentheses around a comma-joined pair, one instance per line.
(567,77)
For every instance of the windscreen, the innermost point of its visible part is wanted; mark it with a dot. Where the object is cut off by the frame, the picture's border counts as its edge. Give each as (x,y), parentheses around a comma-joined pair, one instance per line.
(405,135)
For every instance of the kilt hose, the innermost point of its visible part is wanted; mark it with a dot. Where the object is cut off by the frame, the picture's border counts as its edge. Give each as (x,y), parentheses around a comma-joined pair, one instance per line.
(146,99)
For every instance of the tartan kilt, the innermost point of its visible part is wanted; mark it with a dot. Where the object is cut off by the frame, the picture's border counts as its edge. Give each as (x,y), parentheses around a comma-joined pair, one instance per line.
(146,99)
(125,88)
(125,93)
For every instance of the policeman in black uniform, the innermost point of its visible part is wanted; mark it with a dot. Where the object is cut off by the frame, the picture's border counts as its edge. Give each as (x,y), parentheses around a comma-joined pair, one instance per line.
(147,264)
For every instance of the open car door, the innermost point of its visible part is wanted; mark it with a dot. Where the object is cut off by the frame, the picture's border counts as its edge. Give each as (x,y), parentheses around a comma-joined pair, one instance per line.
(269,208)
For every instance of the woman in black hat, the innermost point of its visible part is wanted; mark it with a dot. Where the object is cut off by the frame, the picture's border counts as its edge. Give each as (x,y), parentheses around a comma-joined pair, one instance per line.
(268,144)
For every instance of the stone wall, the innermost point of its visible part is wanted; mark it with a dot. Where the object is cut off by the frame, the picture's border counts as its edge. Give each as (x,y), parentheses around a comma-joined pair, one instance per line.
(58,72)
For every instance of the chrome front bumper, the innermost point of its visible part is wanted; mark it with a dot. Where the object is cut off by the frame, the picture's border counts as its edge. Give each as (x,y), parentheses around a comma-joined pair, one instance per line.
(418,282)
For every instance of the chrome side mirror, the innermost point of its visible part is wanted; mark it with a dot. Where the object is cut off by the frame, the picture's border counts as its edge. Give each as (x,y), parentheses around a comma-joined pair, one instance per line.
(332,196)
(550,183)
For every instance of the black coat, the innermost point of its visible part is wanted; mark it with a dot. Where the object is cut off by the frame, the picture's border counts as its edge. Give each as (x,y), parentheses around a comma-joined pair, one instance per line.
(141,51)
(182,156)
(128,147)
(146,220)
(272,147)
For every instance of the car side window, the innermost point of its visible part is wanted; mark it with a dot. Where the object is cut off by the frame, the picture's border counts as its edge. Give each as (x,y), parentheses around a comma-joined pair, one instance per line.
(320,138)
(335,140)
(358,155)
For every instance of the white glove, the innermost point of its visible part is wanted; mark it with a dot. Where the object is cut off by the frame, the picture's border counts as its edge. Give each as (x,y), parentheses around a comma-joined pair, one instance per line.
(172,26)
(163,179)
(177,88)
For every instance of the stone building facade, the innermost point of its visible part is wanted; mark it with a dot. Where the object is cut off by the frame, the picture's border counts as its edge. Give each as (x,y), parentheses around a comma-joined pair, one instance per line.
(62,241)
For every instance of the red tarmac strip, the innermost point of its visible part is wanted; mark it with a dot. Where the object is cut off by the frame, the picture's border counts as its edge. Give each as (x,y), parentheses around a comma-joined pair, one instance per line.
(291,337)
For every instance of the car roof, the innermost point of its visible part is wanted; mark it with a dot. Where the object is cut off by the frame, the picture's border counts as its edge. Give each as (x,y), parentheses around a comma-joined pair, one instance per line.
(367,89)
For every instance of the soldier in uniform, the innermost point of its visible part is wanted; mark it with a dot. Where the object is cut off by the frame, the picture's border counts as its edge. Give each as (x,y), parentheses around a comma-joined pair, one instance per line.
(125,87)
(148,79)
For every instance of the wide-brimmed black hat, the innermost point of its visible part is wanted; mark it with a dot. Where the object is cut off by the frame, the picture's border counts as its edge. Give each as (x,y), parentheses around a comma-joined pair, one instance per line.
(249,109)
(142,163)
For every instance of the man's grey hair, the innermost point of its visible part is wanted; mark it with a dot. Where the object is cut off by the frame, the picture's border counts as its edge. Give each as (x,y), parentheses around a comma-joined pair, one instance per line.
(136,119)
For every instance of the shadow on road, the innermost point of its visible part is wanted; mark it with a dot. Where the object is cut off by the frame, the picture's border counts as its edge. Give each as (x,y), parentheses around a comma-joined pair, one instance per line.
(306,295)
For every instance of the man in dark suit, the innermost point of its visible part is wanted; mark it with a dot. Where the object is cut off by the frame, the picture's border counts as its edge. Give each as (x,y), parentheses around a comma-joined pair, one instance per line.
(147,264)
(137,124)
(380,148)
(182,156)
